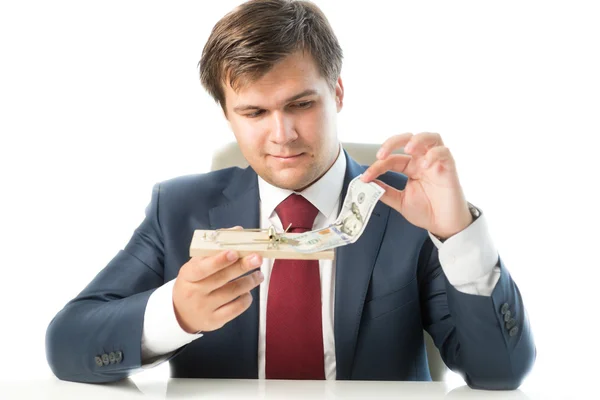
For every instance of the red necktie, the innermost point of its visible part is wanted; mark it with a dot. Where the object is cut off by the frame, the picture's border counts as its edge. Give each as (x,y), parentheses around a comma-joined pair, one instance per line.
(294,348)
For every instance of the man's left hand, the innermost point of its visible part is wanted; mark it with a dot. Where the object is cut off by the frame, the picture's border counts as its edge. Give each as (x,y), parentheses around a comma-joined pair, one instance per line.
(433,198)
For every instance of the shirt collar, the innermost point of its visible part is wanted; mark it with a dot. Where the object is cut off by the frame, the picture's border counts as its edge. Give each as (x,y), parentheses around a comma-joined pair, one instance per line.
(323,194)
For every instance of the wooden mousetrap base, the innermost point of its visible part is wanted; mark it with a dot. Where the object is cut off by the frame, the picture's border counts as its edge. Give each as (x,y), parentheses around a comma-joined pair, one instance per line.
(209,242)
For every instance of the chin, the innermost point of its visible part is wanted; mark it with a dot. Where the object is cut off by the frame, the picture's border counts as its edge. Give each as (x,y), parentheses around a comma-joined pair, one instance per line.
(290,180)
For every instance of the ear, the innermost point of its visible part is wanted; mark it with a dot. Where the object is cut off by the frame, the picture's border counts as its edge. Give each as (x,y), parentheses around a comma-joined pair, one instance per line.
(339,94)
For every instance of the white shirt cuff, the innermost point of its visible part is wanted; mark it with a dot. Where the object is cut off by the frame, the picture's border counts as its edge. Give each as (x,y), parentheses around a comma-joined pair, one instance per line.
(162,334)
(469,259)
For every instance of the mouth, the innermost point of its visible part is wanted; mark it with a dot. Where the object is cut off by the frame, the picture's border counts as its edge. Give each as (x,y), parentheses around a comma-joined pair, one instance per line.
(286,157)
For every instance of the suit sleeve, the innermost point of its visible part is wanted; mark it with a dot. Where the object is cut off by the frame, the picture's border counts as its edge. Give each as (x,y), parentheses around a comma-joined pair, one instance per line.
(486,339)
(96,337)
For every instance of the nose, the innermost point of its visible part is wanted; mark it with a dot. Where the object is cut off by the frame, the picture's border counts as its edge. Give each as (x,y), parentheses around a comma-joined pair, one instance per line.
(282,131)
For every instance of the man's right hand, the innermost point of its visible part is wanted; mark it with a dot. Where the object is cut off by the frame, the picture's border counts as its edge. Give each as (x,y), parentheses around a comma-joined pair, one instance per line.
(208,292)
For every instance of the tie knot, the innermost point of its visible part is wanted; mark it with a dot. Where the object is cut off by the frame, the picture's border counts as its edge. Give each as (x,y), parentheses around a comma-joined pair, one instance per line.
(298,211)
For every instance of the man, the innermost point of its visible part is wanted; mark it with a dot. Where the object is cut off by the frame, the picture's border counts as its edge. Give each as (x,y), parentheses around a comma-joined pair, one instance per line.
(424,261)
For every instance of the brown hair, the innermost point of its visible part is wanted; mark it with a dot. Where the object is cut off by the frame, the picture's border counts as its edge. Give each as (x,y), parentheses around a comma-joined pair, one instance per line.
(246,43)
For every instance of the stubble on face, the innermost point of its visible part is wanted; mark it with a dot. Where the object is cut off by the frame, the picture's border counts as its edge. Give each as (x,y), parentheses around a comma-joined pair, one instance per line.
(298,180)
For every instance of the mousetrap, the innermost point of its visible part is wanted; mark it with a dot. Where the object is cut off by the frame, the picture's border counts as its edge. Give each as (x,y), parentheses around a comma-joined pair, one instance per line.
(266,242)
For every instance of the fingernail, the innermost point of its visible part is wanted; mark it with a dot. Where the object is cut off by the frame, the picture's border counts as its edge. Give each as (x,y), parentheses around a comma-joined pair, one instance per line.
(231,255)
(260,275)
(425,163)
(255,261)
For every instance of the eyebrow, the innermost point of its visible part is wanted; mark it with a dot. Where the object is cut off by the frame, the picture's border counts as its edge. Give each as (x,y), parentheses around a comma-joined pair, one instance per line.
(246,107)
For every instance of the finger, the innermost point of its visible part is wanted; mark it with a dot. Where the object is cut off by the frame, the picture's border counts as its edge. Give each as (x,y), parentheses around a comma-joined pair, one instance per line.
(233,309)
(234,228)
(234,271)
(419,144)
(235,288)
(199,268)
(395,162)
(393,143)
(439,154)
(392,197)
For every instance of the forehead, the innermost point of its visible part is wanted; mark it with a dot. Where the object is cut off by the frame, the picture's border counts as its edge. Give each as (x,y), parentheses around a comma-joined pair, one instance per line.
(292,75)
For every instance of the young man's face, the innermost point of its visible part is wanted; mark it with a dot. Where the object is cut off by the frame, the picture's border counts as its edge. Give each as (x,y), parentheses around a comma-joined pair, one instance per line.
(285,123)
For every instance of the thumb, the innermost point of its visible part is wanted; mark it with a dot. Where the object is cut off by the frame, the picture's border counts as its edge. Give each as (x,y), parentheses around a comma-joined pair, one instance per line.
(392,196)
(234,228)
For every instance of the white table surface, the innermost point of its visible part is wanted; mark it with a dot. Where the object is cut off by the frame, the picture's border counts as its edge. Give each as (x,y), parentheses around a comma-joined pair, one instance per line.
(52,388)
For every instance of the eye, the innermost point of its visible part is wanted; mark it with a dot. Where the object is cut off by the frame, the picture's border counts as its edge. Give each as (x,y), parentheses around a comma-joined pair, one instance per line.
(303,105)
(255,114)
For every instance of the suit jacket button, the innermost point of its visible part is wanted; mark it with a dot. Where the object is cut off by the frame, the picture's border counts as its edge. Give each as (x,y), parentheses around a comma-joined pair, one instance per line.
(504,308)
(511,323)
(105,359)
(98,360)
(112,357)
(118,356)
(514,331)
(507,316)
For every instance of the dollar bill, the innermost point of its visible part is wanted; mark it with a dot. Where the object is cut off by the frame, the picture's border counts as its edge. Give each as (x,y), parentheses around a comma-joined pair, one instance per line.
(356,211)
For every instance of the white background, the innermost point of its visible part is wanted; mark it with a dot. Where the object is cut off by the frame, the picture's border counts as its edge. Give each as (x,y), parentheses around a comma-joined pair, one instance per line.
(100,100)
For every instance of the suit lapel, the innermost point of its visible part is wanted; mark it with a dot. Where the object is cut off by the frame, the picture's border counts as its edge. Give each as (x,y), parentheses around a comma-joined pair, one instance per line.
(240,206)
(353,267)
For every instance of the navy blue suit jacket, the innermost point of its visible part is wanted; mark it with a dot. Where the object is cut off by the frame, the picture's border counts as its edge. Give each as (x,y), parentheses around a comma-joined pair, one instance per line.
(389,287)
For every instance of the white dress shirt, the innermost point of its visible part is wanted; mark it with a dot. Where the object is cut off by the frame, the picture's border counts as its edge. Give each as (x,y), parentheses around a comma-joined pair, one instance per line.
(468,259)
